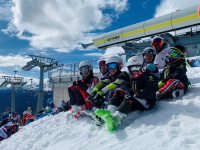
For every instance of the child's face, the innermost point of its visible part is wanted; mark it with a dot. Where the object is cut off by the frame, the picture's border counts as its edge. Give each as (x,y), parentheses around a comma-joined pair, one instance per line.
(148,58)
(103,69)
(113,71)
(86,74)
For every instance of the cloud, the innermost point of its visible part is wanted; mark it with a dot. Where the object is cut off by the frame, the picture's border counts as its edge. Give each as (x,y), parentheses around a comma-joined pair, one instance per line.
(5,10)
(59,24)
(13,61)
(113,50)
(169,6)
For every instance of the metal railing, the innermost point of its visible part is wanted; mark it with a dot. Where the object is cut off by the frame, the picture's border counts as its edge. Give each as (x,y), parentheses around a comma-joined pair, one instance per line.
(72,70)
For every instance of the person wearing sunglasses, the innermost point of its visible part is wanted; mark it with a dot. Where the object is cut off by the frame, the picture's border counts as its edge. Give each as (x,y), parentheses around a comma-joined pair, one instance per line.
(141,96)
(104,71)
(174,80)
(117,82)
(80,91)
(162,50)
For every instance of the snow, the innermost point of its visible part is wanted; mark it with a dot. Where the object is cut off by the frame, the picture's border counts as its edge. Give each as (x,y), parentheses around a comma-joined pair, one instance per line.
(170,125)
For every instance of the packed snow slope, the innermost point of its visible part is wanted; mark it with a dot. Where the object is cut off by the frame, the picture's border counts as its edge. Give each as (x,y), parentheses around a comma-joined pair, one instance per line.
(170,125)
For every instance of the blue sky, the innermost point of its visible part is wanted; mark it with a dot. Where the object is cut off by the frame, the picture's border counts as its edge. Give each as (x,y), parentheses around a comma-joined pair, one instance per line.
(55,29)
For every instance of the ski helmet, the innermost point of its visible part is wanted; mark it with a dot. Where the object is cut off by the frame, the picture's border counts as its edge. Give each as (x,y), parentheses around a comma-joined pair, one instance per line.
(115,60)
(49,102)
(177,52)
(5,115)
(135,64)
(85,66)
(102,63)
(149,50)
(157,40)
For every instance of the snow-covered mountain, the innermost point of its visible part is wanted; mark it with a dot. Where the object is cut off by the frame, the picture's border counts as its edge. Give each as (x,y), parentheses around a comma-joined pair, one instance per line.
(171,125)
(23,100)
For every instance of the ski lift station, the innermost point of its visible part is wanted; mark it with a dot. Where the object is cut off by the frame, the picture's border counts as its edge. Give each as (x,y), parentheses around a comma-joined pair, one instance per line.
(180,27)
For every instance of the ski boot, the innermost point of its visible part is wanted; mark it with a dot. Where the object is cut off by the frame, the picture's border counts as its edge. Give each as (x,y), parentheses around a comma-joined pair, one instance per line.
(73,112)
(101,112)
(178,93)
(113,121)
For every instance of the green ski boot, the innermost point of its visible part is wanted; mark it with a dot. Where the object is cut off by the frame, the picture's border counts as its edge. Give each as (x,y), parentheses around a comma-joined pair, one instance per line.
(101,112)
(111,121)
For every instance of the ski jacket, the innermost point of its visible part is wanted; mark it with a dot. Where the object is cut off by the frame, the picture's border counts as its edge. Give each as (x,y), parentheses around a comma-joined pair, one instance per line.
(26,118)
(146,86)
(113,81)
(88,86)
(6,123)
(104,76)
(176,70)
(160,58)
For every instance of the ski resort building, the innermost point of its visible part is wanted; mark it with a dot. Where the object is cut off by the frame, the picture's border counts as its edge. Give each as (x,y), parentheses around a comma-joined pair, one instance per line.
(180,27)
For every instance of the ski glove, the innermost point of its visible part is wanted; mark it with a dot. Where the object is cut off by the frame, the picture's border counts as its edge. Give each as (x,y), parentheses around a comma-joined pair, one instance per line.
(161,84)
(100,93)
(92,95)
(75,83)
(131,94)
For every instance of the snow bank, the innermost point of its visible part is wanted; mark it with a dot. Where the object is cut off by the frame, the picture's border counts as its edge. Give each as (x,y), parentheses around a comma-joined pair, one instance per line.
(172,124)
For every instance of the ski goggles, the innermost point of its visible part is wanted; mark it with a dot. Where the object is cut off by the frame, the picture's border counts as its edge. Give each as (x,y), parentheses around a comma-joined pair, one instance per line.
(156,42)
(174,54)
(102,62)
(85,69)
(136,68)
(112,66)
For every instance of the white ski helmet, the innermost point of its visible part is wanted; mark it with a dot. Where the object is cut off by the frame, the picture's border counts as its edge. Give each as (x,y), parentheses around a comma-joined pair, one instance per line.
(85,63)
(135,64)
(113,59)
(135,60)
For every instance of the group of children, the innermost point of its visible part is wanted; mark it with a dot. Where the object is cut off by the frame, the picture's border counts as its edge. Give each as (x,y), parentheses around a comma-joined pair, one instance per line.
(11,121)
(158,73)
(9,124)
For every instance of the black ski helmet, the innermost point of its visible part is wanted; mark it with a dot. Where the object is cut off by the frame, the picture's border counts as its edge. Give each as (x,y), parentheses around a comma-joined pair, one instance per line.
(149,50)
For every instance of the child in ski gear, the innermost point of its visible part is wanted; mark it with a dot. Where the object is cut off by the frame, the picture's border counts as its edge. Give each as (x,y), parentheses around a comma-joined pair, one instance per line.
(80,90)
(29,111)
(162,50)
(62,106)
(6,120)
(27,118)
(117,80)
(49,108)
(193,63)
(6,132)
(142,96)
(149,55)
(174,79)
(104,71)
